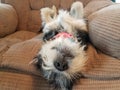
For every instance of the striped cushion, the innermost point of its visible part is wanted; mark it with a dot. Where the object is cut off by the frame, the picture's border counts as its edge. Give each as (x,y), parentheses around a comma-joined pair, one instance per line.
(104,29)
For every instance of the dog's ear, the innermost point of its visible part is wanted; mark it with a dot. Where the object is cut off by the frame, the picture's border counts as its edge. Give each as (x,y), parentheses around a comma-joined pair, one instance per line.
(55,12)
(77,10)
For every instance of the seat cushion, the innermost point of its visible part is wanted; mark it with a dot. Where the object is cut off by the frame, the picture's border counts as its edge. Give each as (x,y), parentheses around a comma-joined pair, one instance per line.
(20,55)
(22,35)
(20,81)
(19,36)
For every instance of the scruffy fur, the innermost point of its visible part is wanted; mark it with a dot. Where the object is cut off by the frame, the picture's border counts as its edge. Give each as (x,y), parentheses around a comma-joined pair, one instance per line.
(62,51)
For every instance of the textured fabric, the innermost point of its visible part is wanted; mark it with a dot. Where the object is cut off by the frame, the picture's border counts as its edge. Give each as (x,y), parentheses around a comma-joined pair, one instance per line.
(96,5)
(36,5)
(34,22)
(17,81)
(8,20)
(19,36)
(102,66)
(22,8)
(17,57)
(5,44)
(22,35)
(20,55)
(29,11)
(104,30)
(88,84)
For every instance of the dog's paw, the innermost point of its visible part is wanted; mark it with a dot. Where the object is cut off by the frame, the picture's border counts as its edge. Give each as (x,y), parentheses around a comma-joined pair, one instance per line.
(49,35)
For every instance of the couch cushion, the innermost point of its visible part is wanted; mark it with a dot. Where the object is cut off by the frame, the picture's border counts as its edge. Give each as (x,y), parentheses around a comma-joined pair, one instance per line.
(19,36)
(5,44)
(28,11)
(96,5)
(22,35)
(88,84)
(8,20)
(104,30)
(36,5)
(34,22)
(19,55)
(18,81)
(22,8)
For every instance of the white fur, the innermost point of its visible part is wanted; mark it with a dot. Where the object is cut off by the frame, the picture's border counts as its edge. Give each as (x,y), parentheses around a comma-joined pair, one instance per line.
(77,10)
(48,54)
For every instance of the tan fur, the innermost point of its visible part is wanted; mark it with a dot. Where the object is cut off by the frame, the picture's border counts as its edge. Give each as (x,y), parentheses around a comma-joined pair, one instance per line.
(48,14)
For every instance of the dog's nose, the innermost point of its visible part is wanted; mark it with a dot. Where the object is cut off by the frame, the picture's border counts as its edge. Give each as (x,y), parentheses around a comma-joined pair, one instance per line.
(61,65)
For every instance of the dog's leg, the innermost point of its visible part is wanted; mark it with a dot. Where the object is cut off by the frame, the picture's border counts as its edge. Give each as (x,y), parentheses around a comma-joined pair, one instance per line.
(48,14)
(83,38)
(76,10)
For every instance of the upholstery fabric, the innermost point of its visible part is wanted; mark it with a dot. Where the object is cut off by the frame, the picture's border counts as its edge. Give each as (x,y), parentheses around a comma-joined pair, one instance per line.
(22,8)
(8,41)
(104,30)
(22,82)
(31,82)
(96,5)
(8,20)
(36,5)
(22,35)
(29,11)
(21,54)
(16,50)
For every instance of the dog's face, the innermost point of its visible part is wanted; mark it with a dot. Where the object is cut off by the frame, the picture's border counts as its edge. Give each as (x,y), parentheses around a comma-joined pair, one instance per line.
(61,61)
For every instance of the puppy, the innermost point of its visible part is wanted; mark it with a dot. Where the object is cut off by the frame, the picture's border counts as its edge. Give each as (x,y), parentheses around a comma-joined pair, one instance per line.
(63,56)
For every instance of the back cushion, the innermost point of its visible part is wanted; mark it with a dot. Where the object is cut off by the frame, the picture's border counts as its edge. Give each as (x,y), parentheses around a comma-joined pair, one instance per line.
(29,11)
(8,20)
(104,30)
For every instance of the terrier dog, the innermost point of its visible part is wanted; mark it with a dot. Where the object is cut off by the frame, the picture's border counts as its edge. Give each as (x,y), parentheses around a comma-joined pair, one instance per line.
(63,56)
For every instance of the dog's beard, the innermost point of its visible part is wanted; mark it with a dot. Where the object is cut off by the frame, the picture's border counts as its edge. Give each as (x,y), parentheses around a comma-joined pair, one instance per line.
(68,51)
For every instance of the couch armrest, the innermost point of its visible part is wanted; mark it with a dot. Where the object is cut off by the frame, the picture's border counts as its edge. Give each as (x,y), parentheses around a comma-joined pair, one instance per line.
(8,20)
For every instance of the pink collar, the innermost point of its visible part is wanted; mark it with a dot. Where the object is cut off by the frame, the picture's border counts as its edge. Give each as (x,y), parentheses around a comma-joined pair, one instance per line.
(64,35)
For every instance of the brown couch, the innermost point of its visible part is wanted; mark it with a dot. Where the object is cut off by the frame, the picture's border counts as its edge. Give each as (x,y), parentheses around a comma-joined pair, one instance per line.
(20,40)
